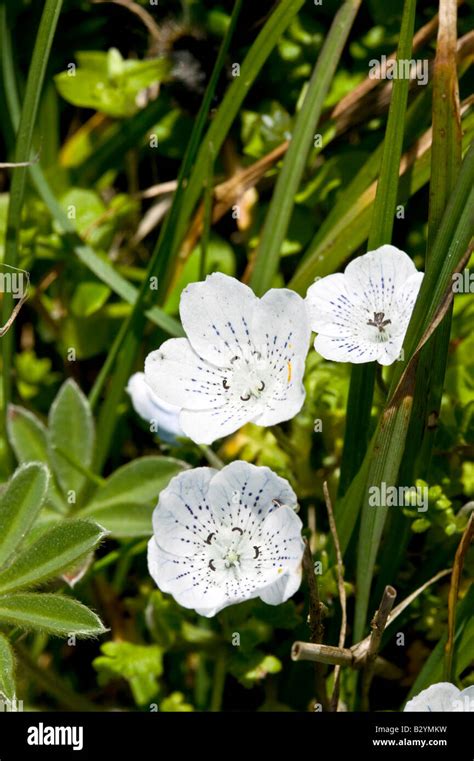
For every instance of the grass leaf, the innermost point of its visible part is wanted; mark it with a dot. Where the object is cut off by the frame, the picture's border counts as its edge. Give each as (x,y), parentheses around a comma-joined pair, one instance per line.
(279,213)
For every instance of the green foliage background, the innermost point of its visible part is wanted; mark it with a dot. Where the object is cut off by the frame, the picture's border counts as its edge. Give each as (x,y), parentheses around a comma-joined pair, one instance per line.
(115,116)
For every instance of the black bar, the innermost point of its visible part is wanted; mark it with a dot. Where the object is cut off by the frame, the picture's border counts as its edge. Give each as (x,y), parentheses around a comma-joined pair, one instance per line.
(156,736)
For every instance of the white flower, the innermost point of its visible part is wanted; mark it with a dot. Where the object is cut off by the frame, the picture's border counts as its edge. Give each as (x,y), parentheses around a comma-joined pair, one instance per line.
(243,358)
(363,314)
(222,537)
(443,696)
(163,416)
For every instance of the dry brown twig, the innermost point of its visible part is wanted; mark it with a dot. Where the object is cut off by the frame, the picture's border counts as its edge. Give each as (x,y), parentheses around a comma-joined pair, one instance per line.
(342,593)
(458,565)
(315,617)
(379,622)
(355,657)
(145,17)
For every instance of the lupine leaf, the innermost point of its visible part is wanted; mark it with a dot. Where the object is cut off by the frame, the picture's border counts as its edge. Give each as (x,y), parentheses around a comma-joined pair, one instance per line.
(54,614)
(20,504)
(56,551)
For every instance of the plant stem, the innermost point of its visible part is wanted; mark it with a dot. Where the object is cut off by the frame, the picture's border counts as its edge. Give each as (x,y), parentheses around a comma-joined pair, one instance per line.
(218,682)
(315,625)
(378,626)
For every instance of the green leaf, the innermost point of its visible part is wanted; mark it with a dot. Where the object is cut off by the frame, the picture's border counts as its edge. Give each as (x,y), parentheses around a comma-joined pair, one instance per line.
(71,429)
(252,669)
(88,298)
(124,505)
(140,665)
(108,83)
(137,482)
(125,521)
(20,504)
(53,614)
(58,550)
(175,703)
(432,670)
(7,669)
(29,440)
(27,434)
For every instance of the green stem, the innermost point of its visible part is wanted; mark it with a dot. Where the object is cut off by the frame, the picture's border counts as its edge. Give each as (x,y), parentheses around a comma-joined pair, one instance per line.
(92,477)
(218,682)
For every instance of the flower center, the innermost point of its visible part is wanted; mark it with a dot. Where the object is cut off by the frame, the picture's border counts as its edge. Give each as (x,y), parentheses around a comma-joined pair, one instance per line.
(231,559)
(231,551)
(244,378)
(380,323)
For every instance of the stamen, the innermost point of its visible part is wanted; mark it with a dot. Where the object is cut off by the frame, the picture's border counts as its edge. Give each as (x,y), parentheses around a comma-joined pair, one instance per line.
(379,322)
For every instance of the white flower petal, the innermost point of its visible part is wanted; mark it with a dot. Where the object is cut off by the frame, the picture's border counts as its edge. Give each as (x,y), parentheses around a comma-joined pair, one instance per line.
(151,408)
(224,537)
(375,278)
(467,698)
(242,494)
(187,580)
(330,309)
(438,697)
(183,519)
(281,334)
(362,315)
(402,306)
(206,426)
(216,316)
(346,349)
(179,376)
(283,588)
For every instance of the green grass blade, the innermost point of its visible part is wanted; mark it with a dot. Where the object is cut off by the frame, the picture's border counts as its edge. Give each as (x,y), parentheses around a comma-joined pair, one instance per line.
(317,262)
(97,264)
(390,436)
(279,213)
(363,376)
(226,114)
(90,258)
(23,151)
(445,163)
(126,344)
(110,153)
(432,671)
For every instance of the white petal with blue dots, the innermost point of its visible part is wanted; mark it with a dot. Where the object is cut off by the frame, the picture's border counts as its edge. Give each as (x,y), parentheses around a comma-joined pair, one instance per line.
(223,537)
